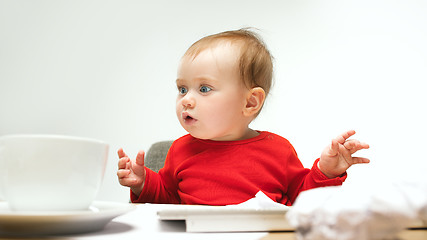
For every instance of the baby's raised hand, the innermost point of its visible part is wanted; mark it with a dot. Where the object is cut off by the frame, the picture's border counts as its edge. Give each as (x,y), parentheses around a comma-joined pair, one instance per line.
(131,173)
(337,157)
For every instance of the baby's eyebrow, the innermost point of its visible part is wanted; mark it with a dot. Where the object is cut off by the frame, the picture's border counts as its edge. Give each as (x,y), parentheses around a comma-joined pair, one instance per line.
(179,81)
(200,79)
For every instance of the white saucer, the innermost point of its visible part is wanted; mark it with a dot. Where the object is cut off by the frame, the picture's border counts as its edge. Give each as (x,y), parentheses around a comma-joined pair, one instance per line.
(67,222)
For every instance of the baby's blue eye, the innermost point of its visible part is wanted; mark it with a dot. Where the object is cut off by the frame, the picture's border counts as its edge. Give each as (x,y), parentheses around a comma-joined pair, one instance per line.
(205,89)
(182,90)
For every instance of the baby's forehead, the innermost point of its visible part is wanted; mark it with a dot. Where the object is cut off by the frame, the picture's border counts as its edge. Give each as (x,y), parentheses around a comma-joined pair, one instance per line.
(221,56)
(212,46)
(220,61)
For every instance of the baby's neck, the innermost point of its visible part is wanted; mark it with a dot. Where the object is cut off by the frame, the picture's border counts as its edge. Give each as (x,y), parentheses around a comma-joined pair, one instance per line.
(250,133)
(247,134)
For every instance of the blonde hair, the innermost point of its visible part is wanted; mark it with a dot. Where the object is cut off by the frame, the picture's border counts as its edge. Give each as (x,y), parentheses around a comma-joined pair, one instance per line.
(255,62)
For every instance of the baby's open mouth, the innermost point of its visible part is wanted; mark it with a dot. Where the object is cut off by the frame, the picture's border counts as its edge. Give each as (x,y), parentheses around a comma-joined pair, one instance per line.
(187,117)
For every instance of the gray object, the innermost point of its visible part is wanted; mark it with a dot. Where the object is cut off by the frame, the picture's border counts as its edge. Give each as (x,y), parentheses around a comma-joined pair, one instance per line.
(156,155)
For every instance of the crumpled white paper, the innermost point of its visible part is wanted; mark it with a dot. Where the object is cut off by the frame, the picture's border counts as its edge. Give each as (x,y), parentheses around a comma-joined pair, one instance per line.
(376,211)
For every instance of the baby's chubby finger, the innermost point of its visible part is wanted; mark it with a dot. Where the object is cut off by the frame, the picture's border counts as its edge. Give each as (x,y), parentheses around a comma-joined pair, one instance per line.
(349,145)
(343,137)
(364,145)
(355,144)
(357,160)
(123,162)
(129,182)
(121,153)
(122,173)
(352,145)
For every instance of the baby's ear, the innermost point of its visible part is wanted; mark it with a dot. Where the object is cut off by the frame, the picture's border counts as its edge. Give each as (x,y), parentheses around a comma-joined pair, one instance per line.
(254,101)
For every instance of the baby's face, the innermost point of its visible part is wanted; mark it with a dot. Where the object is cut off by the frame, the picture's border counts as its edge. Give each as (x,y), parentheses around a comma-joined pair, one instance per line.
(212,95)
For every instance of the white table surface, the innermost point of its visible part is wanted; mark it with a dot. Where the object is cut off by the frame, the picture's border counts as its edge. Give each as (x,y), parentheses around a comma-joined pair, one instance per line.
(143,223)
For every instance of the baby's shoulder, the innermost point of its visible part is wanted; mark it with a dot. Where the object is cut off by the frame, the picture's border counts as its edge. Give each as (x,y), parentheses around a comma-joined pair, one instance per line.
(183,142)
(273,137)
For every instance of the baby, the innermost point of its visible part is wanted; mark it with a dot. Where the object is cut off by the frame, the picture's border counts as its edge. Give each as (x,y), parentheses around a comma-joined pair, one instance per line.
(222,82)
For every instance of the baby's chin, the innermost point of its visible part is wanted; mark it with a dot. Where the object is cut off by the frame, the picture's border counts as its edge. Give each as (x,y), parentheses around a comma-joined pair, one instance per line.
(202,136)
(199,136)
(212,138)
(206,135)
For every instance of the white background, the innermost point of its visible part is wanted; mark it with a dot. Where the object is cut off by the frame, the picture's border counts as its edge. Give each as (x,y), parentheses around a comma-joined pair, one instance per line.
(106,70)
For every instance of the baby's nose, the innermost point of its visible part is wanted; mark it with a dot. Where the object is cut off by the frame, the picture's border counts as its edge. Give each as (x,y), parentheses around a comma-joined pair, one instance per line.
(188,101)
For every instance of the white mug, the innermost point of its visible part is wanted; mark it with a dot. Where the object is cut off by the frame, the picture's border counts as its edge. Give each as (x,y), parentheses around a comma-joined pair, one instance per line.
(51,172)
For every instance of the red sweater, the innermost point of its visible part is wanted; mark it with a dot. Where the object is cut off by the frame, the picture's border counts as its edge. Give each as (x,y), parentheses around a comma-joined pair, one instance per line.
(221,173)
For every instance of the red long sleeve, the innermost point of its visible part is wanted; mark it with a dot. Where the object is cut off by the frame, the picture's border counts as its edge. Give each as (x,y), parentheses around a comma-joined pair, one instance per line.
(222,173)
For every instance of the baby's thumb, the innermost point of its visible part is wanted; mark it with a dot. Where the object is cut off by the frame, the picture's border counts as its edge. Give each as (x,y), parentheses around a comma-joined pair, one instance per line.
(138,166)
(140,158)
(334,148)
